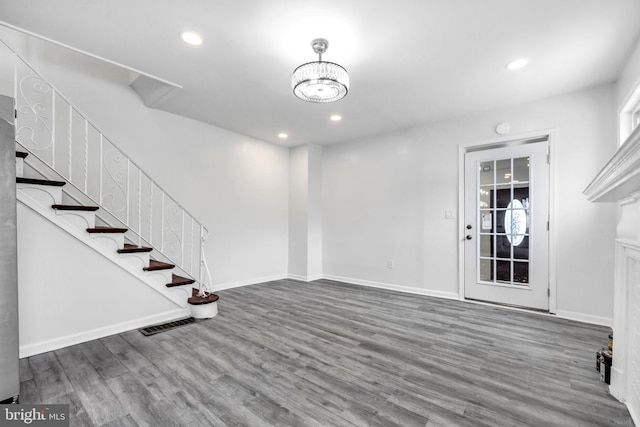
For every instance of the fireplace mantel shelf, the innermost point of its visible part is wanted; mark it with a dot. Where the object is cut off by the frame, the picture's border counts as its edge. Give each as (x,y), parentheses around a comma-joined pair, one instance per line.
(620,177)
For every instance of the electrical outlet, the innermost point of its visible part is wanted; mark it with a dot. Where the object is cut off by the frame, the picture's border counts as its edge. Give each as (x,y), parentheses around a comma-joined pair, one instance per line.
(390,264)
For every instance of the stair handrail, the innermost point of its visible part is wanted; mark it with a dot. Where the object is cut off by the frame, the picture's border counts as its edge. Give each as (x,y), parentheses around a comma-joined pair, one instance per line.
(41,87)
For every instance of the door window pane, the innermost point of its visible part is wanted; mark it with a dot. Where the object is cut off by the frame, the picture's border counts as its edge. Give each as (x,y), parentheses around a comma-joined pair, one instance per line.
(486,198)
(503,271)
(486,246)
(503,171)
(503,247)
(521,272)
(521,169)
(486,221)
(486,173)
(503,195)
(522,250)
(486,270)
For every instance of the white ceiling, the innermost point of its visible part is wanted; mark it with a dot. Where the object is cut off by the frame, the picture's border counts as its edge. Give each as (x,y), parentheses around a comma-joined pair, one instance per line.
(410,61)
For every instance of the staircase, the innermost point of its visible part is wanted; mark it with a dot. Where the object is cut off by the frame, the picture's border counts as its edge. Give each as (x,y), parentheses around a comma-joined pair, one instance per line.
(47,197)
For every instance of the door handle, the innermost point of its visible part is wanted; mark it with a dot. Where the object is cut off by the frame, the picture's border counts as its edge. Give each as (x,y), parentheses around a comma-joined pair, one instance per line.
(469,237)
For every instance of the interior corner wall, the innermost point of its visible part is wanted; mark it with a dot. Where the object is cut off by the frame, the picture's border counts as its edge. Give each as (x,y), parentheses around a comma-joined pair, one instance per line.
(314,214)
(298,208)
(235,185)
(305,212)
(385,200)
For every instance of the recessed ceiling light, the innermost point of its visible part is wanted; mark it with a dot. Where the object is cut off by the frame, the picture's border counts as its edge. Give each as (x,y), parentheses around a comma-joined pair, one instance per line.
(336,118)
(191,38)
(283,135)
(518,63)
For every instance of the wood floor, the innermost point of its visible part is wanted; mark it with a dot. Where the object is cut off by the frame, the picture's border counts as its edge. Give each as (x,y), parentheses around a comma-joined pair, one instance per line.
(329,354)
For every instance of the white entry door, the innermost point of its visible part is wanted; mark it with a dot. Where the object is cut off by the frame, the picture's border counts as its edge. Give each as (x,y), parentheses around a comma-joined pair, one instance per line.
(506,232)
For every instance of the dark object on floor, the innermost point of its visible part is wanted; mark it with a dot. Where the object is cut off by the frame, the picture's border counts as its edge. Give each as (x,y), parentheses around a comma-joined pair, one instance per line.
(156,329)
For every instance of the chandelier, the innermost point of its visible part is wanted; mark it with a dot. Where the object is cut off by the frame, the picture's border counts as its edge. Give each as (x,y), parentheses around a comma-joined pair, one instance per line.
(320,81)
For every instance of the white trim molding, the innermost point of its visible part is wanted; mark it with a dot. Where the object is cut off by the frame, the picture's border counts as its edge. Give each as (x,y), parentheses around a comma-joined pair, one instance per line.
(399,288)
(585,318)
(620,177)
(304,278)
(61,342)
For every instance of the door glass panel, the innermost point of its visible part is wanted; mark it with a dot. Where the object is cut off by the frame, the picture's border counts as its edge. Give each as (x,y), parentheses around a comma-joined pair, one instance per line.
(522,250)
(503,271)
(503,247)
(486,270)
(503,195)
(486,173)
(486,198)
(521,272)
(486,246)
(486,221)
(503,218)
(521,169)
(503,171)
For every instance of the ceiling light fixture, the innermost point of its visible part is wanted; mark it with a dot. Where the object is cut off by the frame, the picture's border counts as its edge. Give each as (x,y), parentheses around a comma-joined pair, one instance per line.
(320,81)
(283,135)
(335,118)
(517,63)
(191,38)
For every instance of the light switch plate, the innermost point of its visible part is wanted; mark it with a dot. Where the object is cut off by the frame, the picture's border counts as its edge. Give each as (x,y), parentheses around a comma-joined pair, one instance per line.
(450,213)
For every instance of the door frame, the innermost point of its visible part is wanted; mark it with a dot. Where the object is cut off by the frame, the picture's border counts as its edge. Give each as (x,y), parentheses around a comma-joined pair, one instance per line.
(496,143)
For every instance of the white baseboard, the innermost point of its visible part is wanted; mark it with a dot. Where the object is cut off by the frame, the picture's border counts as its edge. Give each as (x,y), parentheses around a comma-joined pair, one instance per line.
(305,278)
(254,281)
(406,289)
(585,318)
(66,341)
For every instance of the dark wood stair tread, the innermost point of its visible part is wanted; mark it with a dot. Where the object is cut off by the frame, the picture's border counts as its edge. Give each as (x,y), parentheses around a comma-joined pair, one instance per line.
(21,154)
(157,265)
(196,300)
(75,208)
(130,249)
(102,229)
(179,281)
(50,183)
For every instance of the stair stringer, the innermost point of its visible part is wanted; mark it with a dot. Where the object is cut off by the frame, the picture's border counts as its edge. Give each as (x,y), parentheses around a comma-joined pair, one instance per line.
(156,280)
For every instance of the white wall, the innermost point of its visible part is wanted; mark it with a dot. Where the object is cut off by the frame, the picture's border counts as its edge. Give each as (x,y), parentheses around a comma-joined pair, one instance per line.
(385,199)
(236,186)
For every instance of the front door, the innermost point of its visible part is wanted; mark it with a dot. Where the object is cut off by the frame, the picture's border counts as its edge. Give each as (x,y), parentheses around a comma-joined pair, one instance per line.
(506,234)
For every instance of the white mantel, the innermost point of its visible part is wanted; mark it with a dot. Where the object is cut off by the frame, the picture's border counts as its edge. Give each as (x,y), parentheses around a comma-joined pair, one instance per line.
(619,181)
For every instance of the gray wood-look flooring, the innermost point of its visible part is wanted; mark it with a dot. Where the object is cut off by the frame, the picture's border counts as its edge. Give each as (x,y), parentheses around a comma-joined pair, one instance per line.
(288,353)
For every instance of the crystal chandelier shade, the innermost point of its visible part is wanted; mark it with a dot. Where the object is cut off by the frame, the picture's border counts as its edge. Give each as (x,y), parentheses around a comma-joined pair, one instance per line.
(320,81)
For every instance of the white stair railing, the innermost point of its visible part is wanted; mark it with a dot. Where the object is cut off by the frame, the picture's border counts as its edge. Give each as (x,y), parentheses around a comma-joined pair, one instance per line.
(50,128)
